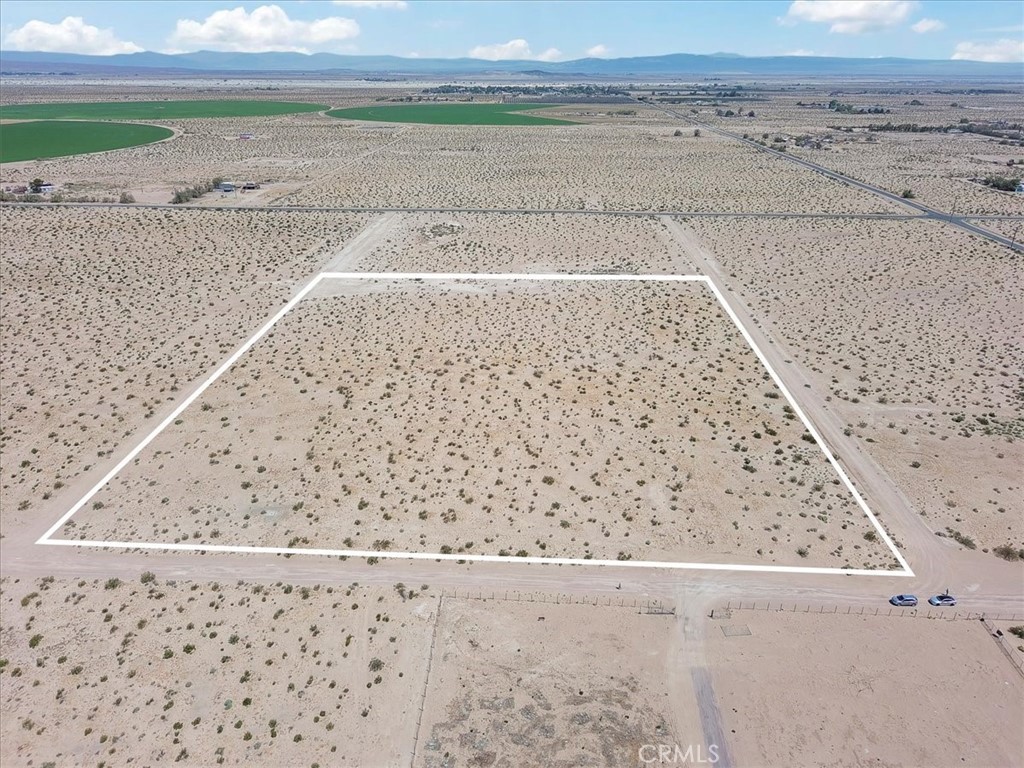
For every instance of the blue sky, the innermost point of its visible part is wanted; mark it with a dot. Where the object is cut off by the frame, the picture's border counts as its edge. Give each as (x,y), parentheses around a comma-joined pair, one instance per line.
(927,29)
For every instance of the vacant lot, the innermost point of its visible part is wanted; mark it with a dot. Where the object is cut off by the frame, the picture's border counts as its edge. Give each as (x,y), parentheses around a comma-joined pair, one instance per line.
(153,672)
(608,420)
(153,110)
(910,329)
(56,138)
(543,684)
(451,114)
(468,242)
(863,699)
(109,314)
(600,166)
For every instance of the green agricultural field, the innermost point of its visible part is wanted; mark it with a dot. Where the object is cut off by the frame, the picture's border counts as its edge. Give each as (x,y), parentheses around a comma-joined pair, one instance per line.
(451,114)
(56,138)
(153,110)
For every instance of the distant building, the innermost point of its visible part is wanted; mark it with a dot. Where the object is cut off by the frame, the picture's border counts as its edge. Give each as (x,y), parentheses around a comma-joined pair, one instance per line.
(45,189)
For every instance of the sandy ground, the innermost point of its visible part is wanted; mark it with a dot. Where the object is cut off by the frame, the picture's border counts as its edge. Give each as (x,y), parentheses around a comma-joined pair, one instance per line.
(863,698)
(580,167)
(533,684)
(548,422)
(109,317)
(205,673)
(936,167)
(605,162)
(1012,228)
(911,329)
(905,331)
(463,242)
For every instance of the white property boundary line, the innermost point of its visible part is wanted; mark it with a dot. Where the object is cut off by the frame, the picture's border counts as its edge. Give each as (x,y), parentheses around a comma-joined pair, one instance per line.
(220,370)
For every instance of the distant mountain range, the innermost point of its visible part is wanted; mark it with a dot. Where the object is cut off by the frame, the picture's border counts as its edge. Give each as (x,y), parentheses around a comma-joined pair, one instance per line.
(675,64)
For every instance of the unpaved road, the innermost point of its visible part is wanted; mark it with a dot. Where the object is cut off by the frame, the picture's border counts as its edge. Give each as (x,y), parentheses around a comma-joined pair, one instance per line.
(886,500)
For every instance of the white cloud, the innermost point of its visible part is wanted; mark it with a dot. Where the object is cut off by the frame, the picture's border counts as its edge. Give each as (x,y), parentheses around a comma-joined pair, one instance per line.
(551,54)
(992,51)
(267,28)
(72,35)
(800,52)
(396,5)
(598,51)
(851,17)
(924,26)
(512,50)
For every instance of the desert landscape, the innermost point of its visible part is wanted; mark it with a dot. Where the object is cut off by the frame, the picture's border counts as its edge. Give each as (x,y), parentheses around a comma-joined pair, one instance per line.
(274,494)
(556,430)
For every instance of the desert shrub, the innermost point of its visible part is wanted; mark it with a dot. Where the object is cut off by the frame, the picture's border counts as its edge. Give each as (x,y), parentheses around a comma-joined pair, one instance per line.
(961,539)
(1006,552)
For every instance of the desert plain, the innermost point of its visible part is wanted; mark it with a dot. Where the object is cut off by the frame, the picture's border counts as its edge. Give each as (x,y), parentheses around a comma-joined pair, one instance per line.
(202,606)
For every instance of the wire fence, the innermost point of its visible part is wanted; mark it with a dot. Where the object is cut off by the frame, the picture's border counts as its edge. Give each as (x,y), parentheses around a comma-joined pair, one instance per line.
(924,612)
(1004,645)
(560,598)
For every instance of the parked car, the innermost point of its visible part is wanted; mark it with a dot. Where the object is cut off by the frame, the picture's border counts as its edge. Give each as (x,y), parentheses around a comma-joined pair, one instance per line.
(942,600)
(904,601)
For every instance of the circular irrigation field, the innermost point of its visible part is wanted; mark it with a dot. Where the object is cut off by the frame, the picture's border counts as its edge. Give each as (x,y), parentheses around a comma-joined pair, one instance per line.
(451,114)
(38,139)
(154,110)
(48,136)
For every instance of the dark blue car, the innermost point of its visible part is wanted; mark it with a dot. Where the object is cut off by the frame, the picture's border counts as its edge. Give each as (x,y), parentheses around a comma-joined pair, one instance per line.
(903,601)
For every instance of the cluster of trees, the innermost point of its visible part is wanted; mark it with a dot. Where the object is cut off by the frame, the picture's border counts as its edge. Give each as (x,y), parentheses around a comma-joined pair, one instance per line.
(848,109)
(530,90)
(34,197)
(730,113)
(1002,183)
(191,193)
(996,131)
